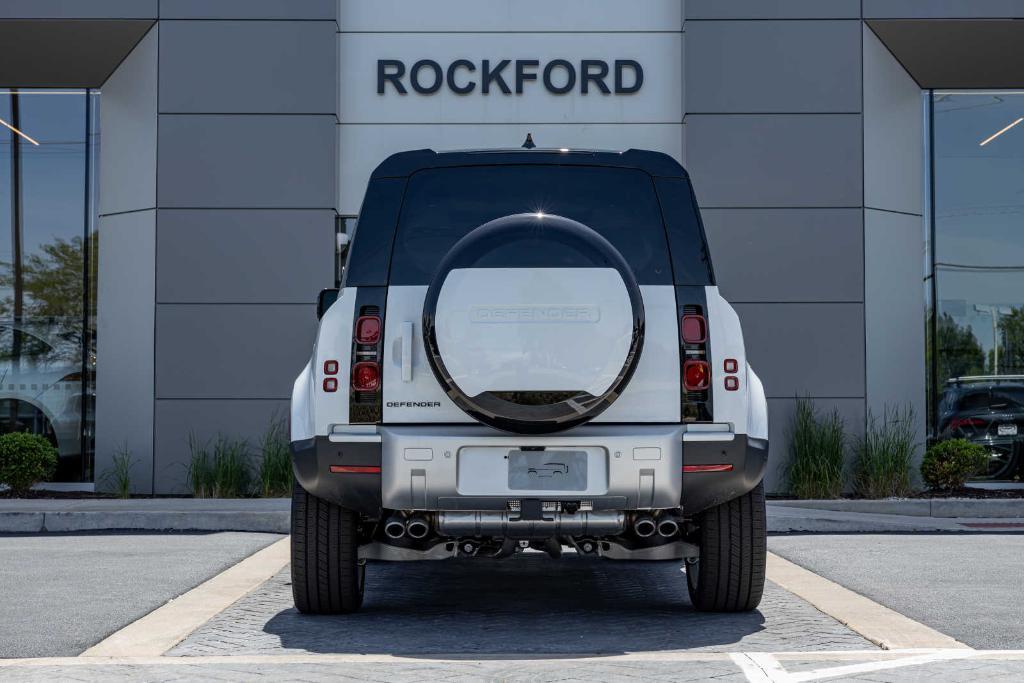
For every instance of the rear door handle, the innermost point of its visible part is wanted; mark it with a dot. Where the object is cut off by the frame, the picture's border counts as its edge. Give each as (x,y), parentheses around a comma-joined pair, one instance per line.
(407,351)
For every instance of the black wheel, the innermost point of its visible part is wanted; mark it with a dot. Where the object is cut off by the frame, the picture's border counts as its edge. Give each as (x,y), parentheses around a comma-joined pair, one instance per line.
(729,575)
(327,577)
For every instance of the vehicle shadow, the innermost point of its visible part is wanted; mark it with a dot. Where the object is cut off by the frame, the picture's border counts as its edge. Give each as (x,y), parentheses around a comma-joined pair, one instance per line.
(527,605)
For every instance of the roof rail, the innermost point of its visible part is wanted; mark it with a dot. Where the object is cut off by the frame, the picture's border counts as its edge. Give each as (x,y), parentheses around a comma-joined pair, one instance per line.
(985,378)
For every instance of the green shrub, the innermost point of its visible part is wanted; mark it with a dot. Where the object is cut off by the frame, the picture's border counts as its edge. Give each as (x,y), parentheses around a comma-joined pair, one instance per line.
(119,477)
(884,455)
(275,461)
(25,460)
(949,464)
(220,470)
(817,447)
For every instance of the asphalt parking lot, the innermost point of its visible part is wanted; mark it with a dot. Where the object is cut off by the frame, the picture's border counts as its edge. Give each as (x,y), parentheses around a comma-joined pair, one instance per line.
(523,618)
(63,593)
(964,585)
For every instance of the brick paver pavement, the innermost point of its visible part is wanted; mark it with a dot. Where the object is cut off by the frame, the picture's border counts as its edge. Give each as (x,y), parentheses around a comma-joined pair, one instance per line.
(529,604)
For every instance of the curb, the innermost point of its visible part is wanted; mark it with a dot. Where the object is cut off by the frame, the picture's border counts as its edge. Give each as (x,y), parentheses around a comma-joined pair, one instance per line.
(999,508)
(57,522)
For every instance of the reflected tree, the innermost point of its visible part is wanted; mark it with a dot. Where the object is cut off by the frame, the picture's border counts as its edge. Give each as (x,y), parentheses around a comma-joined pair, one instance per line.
(1011,351)
(51,297)
(960,353)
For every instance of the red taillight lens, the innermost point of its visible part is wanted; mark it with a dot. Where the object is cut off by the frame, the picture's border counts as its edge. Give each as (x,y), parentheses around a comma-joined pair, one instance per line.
(732,383)
(330,384)
(961,422)
(368,329)
(694,328)
(731,366)
(366,376)
(330,367)
(696,375)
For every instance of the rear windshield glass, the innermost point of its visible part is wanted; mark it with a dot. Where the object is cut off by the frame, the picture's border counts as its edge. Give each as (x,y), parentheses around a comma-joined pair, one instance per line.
(441,205)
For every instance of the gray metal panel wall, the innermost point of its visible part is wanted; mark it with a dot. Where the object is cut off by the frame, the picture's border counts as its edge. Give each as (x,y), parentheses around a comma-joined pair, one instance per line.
(127,257)
(894,229)
(773,141)
(246,196)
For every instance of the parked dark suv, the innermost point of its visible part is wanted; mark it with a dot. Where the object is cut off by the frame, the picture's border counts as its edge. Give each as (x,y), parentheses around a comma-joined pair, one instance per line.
(988,411)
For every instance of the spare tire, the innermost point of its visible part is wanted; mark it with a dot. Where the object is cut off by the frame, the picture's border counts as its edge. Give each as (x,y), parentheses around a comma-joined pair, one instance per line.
(533,323)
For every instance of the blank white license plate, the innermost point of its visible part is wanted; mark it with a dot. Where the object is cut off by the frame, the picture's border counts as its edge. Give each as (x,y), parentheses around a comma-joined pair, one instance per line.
(1007,430)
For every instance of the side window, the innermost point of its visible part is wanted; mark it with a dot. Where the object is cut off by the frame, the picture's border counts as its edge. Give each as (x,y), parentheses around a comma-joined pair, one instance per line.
(691,262)
(369,256)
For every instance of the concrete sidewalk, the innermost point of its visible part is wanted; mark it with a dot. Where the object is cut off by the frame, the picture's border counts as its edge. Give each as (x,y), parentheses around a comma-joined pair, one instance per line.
(272,515)
(790,519)
(145,514)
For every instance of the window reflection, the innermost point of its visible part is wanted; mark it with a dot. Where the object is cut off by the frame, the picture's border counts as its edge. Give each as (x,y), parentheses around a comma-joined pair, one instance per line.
(47,270)
(978,334)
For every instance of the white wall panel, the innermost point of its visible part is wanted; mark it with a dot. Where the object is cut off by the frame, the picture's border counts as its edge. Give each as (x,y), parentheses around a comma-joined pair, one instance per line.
(365,146)
(509,15)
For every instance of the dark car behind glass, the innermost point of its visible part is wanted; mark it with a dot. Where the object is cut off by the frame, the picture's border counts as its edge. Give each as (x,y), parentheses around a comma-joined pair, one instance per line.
(988,411)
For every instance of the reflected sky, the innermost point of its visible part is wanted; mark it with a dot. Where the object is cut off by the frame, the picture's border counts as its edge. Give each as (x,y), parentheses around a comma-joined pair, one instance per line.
(979,205)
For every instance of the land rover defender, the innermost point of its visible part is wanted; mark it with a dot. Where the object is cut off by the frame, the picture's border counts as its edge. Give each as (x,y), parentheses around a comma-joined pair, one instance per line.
(528,352)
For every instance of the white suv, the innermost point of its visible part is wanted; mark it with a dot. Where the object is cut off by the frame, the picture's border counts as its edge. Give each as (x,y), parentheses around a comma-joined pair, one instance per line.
(528,351)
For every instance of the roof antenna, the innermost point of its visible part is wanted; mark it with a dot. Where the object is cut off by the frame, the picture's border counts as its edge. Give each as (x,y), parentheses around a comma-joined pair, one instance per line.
(529,142)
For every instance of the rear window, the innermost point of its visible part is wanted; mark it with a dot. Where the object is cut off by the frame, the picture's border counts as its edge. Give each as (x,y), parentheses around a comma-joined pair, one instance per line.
(442,205)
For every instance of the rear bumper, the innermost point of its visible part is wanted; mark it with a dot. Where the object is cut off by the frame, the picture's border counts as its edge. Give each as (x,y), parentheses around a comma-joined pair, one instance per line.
(417,468)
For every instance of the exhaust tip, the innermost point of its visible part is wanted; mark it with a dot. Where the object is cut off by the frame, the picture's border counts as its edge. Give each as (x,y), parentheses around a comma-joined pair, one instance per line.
(644,527)
(394,528)
(417,528)
(668,527)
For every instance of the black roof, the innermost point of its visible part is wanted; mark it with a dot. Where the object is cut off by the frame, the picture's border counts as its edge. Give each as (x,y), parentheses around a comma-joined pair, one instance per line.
(405,164)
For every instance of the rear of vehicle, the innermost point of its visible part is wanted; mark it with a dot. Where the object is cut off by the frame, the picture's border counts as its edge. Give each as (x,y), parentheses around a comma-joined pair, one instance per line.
(987,410)
(529,351)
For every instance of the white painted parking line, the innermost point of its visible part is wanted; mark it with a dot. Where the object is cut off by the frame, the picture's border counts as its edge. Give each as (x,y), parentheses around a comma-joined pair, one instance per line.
(163,628)
(760,667)
(867,667)
(879,624)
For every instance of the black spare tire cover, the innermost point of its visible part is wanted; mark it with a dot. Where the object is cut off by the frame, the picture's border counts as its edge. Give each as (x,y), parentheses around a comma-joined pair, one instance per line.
(547,261)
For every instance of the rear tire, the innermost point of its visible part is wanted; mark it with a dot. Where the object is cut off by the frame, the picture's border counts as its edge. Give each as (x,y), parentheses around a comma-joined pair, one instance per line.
(327,577)
(729,575)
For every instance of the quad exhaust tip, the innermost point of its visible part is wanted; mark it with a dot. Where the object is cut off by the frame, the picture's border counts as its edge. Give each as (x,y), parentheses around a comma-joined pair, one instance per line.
(667,526)
(417,527)
(644,526)
(394,528)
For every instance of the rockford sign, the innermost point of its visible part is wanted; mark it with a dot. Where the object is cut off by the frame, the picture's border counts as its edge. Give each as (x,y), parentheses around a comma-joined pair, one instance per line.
(507,76)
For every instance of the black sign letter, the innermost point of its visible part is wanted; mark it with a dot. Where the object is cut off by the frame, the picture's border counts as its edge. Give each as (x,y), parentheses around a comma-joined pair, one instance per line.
(394,77)
(460,89)
(495,76)
(414,76)
(521,74)
(570,76)
(587,67)
(638,72)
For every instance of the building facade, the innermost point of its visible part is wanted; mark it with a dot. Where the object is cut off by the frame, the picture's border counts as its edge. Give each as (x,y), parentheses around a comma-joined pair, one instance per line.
(179,169)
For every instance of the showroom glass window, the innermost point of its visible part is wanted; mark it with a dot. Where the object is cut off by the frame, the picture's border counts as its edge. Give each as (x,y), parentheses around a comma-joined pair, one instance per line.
(977,327)
(48,143)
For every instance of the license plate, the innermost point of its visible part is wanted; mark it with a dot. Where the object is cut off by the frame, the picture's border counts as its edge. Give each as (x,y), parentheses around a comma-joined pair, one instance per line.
(547,470)
(1007,430)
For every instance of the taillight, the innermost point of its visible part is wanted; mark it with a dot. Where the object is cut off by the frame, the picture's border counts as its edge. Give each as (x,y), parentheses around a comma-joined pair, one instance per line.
(366,376)
(696,375)
(330,367)
(330,384)
(961,422)
(694,329)
(367,329)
